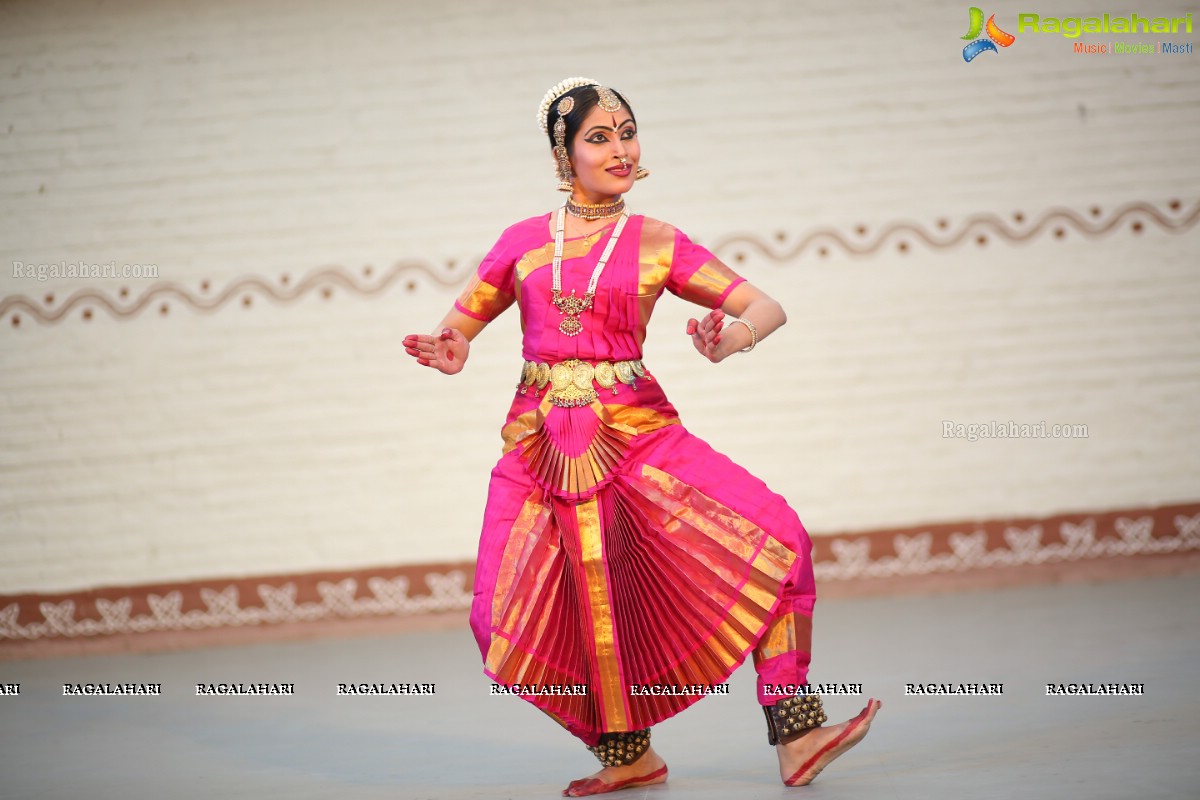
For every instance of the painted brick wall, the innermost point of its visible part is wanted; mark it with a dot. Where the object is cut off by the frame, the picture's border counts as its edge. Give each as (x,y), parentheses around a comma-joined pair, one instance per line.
(223,141)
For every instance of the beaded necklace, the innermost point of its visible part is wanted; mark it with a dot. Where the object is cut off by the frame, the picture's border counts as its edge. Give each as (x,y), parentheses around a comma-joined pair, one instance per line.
(572,306)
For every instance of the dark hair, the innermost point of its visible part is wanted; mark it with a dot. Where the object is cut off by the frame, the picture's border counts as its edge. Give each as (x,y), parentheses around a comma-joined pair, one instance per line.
(586,99)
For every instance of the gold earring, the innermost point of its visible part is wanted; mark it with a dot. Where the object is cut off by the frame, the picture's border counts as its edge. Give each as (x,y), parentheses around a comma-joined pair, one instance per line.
(564,178)
(560,145)
(641,173)
(563,169)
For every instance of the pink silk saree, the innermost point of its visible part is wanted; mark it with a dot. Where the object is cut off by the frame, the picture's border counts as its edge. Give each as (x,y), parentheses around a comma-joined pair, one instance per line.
(618,550)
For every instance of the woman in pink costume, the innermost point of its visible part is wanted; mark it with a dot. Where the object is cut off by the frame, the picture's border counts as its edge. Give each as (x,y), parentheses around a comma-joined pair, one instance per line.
(626,568)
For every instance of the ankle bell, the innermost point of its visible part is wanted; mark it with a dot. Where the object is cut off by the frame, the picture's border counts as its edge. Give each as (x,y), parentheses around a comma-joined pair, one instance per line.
(621,749)
(792,716)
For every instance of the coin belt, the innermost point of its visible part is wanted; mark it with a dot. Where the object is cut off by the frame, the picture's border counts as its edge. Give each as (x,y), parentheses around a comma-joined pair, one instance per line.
(573,382)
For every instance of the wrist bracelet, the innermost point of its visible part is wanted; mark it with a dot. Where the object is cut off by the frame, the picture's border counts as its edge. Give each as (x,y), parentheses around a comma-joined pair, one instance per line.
(750,327)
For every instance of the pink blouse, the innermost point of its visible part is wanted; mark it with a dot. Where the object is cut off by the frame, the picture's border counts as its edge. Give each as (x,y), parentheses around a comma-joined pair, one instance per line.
(649,257)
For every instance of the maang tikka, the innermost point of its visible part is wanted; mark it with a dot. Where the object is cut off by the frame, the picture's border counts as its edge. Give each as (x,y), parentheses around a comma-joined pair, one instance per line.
(560,145)
(607,99)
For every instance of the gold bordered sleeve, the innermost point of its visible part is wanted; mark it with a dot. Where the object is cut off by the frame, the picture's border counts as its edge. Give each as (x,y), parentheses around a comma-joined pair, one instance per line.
(490,289)
(698,276)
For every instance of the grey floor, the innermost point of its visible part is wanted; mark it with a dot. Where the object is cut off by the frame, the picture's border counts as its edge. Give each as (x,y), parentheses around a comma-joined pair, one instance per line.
(464,743)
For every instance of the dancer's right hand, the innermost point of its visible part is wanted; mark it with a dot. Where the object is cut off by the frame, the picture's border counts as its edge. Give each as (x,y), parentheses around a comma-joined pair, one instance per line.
(446,353)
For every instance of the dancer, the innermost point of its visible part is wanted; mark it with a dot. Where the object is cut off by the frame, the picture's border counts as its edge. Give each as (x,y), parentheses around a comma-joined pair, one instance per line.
(619,552)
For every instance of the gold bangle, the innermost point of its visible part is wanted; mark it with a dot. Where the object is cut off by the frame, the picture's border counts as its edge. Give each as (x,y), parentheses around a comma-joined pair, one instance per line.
(750,327)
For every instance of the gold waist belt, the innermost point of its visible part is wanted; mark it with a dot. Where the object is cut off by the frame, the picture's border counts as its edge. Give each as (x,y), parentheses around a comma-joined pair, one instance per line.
(572,382)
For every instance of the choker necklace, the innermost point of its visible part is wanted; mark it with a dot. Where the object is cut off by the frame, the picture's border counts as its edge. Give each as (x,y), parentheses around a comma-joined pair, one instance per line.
(572,306)
(595,210)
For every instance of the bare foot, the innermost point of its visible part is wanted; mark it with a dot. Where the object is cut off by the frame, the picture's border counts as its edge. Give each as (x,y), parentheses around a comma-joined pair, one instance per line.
(801,759)
(647,770)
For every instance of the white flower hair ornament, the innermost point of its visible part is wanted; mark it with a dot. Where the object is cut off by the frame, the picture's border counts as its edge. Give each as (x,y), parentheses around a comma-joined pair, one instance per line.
(557,91)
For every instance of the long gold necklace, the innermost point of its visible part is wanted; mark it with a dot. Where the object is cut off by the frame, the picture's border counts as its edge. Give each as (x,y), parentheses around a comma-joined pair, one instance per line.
(572,306)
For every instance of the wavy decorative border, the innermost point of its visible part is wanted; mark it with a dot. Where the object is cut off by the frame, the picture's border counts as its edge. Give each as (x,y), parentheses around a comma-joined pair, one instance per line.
(981,228)
(267,601)
(910,553)
(1015,229)
(204,299)
(1013,543)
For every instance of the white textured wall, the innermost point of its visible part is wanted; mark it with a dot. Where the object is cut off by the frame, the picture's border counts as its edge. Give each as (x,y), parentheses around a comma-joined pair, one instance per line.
(229,139)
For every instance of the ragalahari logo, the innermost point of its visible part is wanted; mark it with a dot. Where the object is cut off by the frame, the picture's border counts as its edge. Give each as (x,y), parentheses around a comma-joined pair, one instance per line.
(994,34)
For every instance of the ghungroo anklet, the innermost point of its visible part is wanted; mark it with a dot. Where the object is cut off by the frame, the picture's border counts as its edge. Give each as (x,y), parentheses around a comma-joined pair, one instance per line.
(621,749)
(793,715)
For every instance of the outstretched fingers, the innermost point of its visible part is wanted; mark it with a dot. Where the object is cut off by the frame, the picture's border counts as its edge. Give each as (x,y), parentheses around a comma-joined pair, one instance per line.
(422,348)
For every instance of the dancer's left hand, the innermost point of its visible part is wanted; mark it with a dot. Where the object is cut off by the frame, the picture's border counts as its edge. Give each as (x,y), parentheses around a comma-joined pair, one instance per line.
(706,334)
